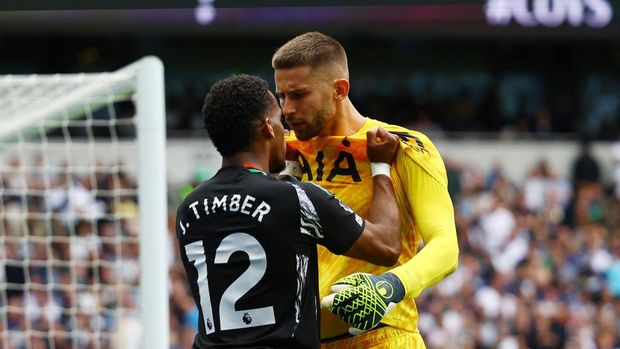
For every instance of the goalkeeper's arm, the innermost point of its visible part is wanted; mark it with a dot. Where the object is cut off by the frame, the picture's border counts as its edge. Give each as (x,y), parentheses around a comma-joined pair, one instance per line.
(434,215)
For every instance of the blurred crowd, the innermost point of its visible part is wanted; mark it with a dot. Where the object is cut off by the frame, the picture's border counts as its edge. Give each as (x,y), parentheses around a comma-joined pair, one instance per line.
(69,268)
(539,261)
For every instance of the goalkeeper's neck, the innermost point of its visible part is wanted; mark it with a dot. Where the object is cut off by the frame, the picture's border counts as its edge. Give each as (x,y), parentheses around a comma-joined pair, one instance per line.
(345,121)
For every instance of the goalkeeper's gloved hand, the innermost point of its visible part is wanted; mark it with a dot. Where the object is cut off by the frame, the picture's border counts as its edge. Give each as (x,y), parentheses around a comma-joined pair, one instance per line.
(362,300)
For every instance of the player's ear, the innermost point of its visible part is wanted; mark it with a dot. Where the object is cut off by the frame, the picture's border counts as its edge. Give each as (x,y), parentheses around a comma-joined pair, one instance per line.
(341,87)
(267,128)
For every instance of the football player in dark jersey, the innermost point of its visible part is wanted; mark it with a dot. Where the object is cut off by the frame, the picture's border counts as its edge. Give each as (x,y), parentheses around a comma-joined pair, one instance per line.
(248,240)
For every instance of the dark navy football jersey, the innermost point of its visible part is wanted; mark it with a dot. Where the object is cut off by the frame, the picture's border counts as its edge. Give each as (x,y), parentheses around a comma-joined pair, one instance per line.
(248,244)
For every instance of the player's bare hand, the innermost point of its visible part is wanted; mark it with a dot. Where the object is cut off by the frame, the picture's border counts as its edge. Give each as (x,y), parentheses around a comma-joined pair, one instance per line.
(381,145)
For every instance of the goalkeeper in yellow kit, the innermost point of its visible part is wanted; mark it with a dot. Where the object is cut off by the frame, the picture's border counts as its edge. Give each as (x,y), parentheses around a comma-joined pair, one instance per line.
(329,143)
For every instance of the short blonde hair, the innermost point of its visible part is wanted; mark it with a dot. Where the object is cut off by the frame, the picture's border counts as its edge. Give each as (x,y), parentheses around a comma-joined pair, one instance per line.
(313,50)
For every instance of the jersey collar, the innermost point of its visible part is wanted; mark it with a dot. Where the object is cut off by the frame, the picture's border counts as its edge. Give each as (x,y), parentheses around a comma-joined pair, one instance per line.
(253,168)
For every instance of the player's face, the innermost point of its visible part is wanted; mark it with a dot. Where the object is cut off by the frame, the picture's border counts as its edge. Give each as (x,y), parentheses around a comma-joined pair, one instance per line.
(277,152)
(306,100)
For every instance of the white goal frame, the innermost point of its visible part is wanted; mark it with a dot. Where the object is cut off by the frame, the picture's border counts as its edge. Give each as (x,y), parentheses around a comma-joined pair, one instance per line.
(149,100)
(151,133)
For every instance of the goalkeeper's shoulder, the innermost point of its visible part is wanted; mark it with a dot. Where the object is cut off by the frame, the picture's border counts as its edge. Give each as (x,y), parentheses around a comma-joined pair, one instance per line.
(418,153)
(417,141)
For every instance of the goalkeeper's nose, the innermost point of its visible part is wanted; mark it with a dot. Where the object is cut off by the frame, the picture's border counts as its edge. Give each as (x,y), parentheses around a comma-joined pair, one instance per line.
(288,109)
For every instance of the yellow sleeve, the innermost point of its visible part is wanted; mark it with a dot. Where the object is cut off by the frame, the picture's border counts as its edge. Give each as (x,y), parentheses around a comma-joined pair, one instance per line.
(434,217)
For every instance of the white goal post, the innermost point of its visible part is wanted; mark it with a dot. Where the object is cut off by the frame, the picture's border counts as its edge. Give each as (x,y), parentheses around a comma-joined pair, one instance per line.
(83,210)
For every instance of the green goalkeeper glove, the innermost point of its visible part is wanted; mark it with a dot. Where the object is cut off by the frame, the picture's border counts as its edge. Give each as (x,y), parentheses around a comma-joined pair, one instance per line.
(362,300)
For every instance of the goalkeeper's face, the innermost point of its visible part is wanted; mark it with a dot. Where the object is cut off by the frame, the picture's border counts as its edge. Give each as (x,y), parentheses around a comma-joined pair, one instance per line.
(277,149)
(306,98)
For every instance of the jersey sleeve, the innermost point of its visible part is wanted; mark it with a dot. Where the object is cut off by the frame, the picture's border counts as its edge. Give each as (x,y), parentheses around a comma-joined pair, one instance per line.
(427,192)
(329,221)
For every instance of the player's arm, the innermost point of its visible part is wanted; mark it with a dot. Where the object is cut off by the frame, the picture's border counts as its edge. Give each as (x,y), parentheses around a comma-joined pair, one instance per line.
(382,229)
(342,231)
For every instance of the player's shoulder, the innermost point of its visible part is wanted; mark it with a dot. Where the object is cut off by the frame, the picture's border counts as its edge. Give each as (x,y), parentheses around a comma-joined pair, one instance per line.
(316,188)
(271,188)
(305,188)
(200,191)
(260,184)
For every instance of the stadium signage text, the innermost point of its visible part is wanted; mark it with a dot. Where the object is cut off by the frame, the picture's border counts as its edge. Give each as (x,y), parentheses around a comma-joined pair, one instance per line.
(549,13)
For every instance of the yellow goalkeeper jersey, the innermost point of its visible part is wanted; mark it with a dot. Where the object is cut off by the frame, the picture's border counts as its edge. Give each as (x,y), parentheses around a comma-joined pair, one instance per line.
(340,164)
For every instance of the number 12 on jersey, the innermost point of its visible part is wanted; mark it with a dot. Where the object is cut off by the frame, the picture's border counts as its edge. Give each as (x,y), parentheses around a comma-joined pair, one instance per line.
(231,319)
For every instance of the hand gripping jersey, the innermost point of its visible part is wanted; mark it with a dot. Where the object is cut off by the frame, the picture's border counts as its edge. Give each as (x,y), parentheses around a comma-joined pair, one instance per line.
(340,165)
(248,244)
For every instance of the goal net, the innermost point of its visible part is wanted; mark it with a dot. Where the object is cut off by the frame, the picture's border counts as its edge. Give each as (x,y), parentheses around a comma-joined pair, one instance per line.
(83,210)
